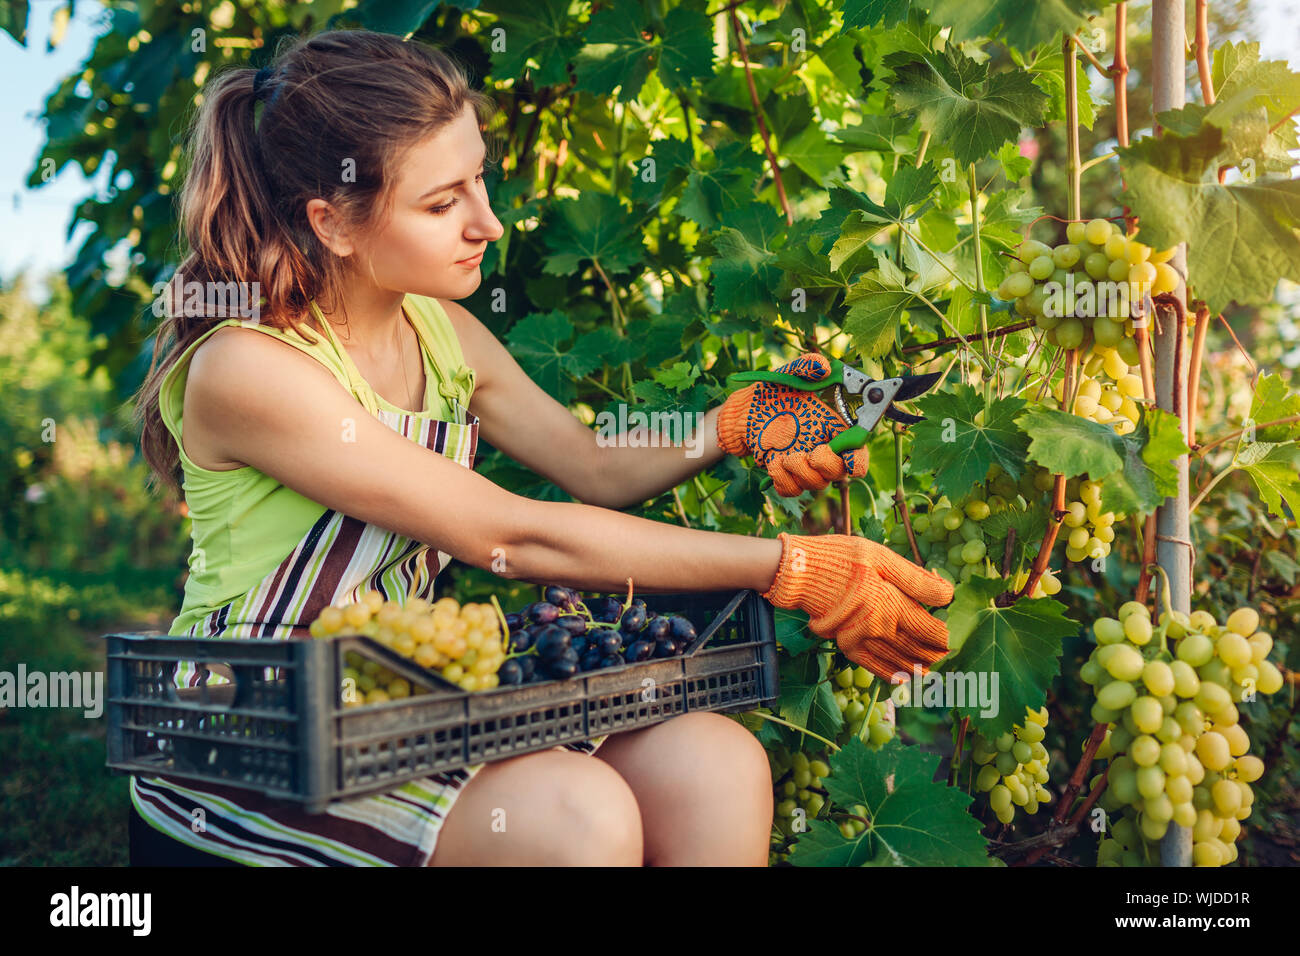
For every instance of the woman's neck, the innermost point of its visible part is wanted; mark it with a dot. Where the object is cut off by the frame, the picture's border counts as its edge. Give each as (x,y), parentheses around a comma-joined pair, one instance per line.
(371,320)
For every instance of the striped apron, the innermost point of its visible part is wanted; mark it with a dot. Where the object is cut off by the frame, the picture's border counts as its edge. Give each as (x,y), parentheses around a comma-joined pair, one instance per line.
(335,562)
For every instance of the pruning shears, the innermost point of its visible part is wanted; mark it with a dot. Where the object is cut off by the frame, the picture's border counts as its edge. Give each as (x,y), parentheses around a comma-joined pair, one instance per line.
(860,400)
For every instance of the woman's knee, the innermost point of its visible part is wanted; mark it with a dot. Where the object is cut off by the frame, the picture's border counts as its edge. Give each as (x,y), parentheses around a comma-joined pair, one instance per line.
(549,808)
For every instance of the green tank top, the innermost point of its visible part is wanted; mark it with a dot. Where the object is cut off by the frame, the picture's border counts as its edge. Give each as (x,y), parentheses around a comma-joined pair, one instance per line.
(243,521)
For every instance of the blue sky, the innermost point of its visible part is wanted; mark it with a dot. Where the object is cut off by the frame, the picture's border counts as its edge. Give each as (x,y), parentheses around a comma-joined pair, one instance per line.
(35,221)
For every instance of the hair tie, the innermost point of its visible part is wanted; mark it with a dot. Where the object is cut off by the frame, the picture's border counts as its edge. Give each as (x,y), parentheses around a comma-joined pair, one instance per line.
(260,80)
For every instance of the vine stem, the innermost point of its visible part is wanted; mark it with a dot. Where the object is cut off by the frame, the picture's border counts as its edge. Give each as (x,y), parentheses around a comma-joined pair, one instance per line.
(803,730)
(1218,477)
(1044,556)
(1241,431)
(1203,53)
(956,340)
(1194,370)
(1075,784)
(900,499)
(957,749)
(1087,55)
(758,114)
(973,189)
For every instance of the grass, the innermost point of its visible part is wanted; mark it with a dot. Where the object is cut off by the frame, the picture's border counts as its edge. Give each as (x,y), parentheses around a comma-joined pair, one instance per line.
(60,805)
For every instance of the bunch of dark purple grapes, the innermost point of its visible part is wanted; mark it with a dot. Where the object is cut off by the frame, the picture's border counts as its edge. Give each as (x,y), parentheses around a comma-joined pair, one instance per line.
(562,635)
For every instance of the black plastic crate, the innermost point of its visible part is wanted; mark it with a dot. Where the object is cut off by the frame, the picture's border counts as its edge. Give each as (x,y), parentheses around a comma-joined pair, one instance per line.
(280,726)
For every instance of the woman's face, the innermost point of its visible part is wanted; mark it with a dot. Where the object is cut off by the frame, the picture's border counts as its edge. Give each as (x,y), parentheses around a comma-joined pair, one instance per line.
(440,217)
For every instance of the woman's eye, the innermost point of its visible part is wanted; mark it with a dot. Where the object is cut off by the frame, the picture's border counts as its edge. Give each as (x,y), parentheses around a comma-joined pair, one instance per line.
(439,210)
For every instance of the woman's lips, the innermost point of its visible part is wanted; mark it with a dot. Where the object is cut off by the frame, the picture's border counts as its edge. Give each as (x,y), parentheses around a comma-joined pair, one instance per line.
(472,261)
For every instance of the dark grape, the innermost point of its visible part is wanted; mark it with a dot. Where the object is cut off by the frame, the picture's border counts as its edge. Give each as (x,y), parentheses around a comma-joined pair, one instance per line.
(637,602)
(639,651)
(657,628)
(514,621)
(554,594)
(573,623)
(511,672)
(681,628)
(605,609)
(580,643)
(665,648)
(528,664)
(607,640)
(575,598)
(633,619)
(552,641)
(521,640)
(543,612)
(611,660)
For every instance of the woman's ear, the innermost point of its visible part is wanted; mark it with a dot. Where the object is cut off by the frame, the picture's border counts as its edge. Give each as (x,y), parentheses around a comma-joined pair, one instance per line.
(329,229)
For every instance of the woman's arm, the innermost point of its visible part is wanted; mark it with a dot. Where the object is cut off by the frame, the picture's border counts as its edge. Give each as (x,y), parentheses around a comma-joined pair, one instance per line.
(263,403)
(519,417)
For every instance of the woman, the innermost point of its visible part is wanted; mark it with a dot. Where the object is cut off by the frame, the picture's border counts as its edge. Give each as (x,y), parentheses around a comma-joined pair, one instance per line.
(326,447)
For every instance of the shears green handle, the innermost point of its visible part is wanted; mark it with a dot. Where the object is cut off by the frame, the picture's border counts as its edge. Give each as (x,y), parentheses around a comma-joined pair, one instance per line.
(835,377)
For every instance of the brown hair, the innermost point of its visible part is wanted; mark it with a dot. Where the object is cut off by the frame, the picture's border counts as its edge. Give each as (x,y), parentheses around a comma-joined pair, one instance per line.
(339,111)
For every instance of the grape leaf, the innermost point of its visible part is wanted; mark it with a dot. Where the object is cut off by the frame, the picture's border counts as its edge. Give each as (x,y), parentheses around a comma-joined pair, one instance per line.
(1274,86)
(1023,25)
(1015,165)
(964,107)
(876,302)
(806,697)
(958,450)
(744,260)
(1068,445)
(1003,219)
(1272,401)
(680,377)
(1021,644)
(1283,565)
(728,184)
(882,134)
(686,52)
(1275,470)
(1241,237)
(1137,471)
(1150,472)
(871,13)
(536,343)
(872,527)
(813,152)
(1048,71)
(792,631)
(614,53)
(606,345)
(594,226)
(539,32)
(914,819)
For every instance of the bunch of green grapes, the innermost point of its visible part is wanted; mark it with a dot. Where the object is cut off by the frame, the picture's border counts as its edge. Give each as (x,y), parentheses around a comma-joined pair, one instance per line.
(463,644)
(1096,252)
(852,686)
(1176,748)
(1013,767)
(950,537)
(797,778)
(1090,531)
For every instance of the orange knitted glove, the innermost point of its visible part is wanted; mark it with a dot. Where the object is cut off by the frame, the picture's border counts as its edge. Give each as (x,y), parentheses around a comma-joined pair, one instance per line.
(788,431)
(865,597)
